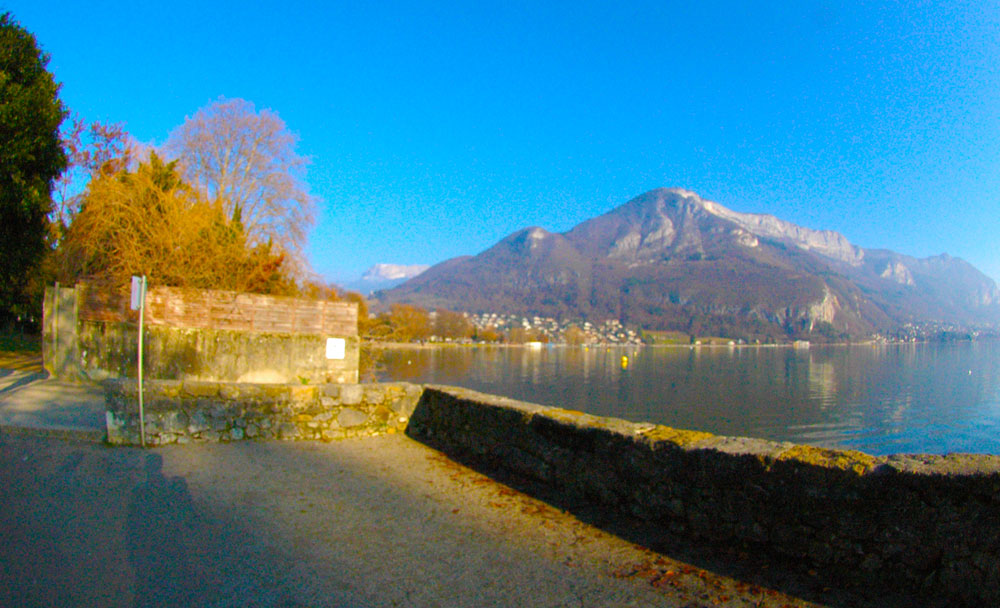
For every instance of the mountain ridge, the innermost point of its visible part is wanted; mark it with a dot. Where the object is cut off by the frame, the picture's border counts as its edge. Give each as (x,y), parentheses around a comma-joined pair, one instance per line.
(668,259)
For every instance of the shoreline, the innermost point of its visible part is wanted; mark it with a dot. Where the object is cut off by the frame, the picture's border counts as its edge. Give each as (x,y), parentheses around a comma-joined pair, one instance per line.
(609,345)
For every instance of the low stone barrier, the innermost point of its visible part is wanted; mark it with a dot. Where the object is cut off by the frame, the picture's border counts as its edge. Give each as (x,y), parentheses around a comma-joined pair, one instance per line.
(928,525)
(922,524)
(191,411)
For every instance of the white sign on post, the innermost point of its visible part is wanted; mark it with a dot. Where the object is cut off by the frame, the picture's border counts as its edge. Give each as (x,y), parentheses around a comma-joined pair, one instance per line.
(139,303)
(336,348)
(136,293)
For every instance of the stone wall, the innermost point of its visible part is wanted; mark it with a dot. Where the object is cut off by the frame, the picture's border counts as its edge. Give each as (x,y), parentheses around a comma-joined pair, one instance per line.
(918,524)
(922,524)
(193,411)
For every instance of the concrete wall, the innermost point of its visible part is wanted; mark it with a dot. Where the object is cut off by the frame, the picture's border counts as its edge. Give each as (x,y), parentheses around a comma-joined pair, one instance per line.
(923,524)
(191,411)
(108,350)
(60,353)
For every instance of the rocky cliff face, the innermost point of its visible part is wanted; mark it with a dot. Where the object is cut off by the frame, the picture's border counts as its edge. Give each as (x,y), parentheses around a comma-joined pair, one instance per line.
(670,259)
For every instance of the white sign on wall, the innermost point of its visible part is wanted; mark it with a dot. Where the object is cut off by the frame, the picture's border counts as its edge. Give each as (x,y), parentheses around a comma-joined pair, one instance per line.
(336,348)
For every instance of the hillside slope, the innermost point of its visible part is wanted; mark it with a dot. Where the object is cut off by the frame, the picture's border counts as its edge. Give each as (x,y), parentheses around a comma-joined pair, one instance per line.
(670,260)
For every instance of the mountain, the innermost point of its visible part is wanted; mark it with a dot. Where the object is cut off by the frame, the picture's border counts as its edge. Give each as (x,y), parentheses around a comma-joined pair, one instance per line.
(384,276)
(669,259)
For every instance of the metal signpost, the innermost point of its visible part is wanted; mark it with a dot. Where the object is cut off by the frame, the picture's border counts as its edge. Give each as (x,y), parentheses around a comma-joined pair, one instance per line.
(139,303)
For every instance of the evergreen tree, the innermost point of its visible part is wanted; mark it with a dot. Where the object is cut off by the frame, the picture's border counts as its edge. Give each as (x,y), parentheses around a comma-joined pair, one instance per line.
(31,158)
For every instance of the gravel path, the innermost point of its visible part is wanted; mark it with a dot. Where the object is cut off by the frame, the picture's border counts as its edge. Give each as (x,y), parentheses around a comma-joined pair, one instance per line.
(371,522)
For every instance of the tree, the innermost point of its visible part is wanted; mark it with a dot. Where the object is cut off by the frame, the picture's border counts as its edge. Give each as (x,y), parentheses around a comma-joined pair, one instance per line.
(91,149)
(575,336)
(408,323)
(246,162)
(150,222)
(31,157)
(489,334)
(450,324)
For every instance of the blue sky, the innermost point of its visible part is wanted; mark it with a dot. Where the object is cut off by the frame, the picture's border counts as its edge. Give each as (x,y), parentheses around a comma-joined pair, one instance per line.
(436,129)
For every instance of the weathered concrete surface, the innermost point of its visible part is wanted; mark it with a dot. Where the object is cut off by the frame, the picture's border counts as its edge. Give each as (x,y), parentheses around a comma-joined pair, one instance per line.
(380,521)
(32,402)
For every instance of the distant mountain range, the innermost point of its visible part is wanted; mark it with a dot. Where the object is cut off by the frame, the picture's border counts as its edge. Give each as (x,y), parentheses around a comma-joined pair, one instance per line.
(669,259)
(384,276)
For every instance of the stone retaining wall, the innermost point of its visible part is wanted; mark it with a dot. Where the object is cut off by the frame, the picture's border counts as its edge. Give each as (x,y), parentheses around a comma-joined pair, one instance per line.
(917,524)
(191,411)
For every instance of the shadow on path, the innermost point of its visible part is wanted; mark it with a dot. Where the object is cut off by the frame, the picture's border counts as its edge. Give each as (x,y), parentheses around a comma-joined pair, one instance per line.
(24,380)
(161,522)
(87,525)
(749,563)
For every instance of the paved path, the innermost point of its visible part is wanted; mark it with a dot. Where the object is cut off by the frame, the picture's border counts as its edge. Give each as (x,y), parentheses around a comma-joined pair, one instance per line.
(31,402)
(371,522)
(380,521)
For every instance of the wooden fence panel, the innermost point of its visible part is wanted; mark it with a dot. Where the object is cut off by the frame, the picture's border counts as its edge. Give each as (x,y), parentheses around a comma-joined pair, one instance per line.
(214,309)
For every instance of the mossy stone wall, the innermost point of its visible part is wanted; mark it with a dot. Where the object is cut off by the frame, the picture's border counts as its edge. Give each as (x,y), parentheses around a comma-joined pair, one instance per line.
(195,411)
(913,523)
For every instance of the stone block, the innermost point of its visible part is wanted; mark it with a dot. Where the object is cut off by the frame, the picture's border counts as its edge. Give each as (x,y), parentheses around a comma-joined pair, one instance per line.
(373,393)
(192,388)
(287,430)
(351,394)
(331,391)
(382,414)
(174,422)
(302,395)
(232,391)
(350,417)
(115,429)
(197,422)
(167,389)
(272,393)
(236,434)
(414,391)
(403,405)
(252,431)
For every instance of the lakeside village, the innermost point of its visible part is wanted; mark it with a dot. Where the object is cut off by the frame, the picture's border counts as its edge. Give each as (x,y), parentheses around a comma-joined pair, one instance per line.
(520,329)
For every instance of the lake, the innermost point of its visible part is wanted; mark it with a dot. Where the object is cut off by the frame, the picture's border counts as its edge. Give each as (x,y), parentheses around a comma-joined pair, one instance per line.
(881,399)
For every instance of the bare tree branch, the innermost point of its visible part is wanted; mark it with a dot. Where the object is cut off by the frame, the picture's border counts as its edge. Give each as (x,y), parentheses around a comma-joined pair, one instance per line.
(246,161)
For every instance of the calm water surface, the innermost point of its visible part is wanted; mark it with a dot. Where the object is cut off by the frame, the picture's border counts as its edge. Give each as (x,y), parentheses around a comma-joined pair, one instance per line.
(930,398)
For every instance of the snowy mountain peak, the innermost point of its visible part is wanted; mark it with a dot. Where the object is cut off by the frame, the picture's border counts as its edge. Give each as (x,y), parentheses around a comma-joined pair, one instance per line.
(393,272)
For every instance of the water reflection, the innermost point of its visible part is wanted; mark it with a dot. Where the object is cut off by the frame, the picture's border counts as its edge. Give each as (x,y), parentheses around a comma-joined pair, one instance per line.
(881,399)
